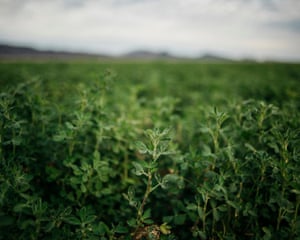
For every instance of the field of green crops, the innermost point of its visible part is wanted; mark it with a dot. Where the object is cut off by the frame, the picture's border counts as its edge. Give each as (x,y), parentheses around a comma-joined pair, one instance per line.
(151,150)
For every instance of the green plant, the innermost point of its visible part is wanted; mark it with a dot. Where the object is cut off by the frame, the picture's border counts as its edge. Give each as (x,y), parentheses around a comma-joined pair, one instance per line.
(157,146)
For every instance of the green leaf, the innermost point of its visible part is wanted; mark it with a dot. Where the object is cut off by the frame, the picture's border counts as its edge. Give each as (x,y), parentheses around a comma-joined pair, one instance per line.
(61,136)
(121,229)
(76,170)
(142,148)
(148,221)
(165,132)
(216,215)
(268,234)
(201,234)
(20,207)
(165,229)
(250,147)
(85,166)
(39,207)
(75,181)
(131,192)
(179,219)
(233,204)
(26,224)
(201,213)
(101,228)
(172,181)
(296,191)
(192,207)
(70,126)
(96,155)
(223,208)
(72,220)
(83,188)
(168,219)
(89,219)
(147,213)
(49,227)
(138,169)
(86,215)
(132,222)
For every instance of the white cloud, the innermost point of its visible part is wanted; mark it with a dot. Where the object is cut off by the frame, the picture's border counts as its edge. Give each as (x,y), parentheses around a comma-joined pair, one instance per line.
(234,27)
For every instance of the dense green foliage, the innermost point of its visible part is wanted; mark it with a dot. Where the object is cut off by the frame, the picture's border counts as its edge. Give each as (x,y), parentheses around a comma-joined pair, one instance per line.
(149,151)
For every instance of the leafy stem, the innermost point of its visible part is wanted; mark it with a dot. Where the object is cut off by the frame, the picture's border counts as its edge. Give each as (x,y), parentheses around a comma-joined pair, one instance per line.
(146,195)
(156,146)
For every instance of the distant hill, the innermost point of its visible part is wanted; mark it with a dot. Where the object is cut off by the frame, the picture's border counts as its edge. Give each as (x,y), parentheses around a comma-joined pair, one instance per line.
(11,50)
(142,54)
(211,57)
(20,52)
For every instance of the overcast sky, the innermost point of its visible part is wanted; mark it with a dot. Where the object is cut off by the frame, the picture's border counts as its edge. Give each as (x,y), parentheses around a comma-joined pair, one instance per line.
(238,28)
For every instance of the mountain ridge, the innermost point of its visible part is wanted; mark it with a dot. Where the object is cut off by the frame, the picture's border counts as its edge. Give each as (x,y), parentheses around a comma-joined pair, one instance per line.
(8,51)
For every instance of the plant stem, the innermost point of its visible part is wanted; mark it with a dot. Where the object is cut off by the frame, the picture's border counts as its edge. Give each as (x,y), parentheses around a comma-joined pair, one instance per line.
(146,195)
(204,213)
(71,147)
(125,164)
(14,145)
(281,210)
(293,231)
